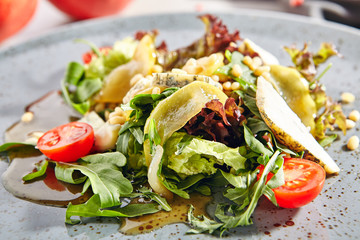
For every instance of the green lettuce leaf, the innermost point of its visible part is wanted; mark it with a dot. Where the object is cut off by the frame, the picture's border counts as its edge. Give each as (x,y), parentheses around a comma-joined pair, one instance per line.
(121,53)
(200,156)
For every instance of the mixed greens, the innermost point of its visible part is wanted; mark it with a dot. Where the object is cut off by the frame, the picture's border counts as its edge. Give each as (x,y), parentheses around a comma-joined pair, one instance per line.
(186,135)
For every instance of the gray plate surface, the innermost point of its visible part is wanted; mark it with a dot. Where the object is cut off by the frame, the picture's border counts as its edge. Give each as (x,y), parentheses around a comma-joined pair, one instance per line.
(30,70)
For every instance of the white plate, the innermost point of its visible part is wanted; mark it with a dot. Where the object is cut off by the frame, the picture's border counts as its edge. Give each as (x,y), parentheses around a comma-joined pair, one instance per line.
(32,69)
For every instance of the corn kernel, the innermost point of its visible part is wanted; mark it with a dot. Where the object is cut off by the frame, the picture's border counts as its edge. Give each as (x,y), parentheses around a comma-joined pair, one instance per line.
(347,97)
(354,115)
(353,143)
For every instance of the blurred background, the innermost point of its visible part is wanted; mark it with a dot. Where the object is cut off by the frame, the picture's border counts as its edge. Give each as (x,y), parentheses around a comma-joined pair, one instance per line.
(21,20)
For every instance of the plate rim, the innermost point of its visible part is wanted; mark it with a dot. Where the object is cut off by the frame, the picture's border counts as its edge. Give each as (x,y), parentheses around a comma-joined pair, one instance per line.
(72,27)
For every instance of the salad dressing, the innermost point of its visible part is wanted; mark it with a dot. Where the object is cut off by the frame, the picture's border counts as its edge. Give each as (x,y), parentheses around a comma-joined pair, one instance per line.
(178,214)
(49,191)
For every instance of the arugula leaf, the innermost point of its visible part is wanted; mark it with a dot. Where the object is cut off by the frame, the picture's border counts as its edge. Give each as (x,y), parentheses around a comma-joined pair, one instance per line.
(74,73)
(243,180)
(155,197)
(254,143)
(93,208)
(106,180)
(201,224)
(116,158)
(86,88)
(40,171)
(153,135)
(239,216)
(11,145)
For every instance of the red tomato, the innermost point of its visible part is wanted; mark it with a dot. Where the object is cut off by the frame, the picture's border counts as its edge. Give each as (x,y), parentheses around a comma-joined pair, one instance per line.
(88,56)
(304,180)
(14,15)
(84,9)
(68,142)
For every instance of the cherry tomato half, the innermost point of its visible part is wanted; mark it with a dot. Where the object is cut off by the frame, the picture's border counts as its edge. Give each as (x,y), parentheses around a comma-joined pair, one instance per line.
(304,180)
(68,142)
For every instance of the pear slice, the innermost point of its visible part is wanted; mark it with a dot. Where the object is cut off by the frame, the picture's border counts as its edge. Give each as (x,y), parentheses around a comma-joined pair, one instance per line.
(287,126)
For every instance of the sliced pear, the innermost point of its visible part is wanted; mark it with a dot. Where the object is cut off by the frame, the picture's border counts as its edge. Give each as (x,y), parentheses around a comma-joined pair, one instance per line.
(289,81)
(287,126)
(117,83)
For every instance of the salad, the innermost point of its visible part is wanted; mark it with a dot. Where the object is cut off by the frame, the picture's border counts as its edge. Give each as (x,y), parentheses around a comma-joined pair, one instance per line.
(218,116)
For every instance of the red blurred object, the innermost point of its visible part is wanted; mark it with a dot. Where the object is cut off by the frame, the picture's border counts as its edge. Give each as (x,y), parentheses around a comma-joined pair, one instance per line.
(14,15)
(85,9)
(296,3)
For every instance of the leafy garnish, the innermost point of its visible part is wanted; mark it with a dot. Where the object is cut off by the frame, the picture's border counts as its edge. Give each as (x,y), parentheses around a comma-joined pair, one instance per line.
(93,208)
(218,122)
(307,62)
(155,197)
(105,177)
(329,112)
(247,79)
(216,39)
(40,171)
(201,224)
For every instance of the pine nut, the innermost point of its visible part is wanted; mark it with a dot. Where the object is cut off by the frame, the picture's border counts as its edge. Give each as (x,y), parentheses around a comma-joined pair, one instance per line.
(117,120)
(248,61)
(353,143)
(178,71)
(236,70)
(266,75)
(119,110)
(227,85)
(99,107)
(235,86)
(347,97)
(350,124)
(157,68)
(257,62)
(216,78)
(156,90)
(27,117)
(354,115)
(135,79)
(261,70)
